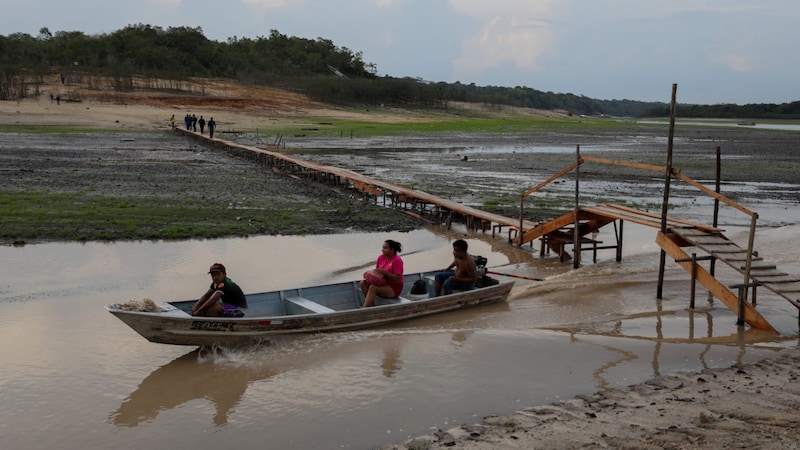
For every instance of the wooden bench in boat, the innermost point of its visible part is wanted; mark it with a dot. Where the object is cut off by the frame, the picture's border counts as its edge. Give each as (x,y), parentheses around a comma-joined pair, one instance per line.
(309,305)
(380,301)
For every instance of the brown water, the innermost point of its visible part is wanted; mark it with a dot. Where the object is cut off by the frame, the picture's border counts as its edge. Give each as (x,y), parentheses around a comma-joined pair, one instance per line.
(73,376)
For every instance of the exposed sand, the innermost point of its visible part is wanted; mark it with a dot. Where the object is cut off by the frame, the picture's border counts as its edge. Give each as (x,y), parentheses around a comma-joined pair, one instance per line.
(753,406)
(230,105)
(756,406)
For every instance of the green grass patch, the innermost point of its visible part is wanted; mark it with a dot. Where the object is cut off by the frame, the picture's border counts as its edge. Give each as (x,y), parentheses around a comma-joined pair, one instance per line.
(87,216)
(327,128)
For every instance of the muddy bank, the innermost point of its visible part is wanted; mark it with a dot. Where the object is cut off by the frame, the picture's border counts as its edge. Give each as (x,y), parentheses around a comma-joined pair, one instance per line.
(490,171)
(207,193)
(751,406)
(123,186)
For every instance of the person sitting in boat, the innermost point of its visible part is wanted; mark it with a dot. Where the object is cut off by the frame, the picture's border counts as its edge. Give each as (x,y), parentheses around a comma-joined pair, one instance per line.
(463,277)
(223,297)
(386,279)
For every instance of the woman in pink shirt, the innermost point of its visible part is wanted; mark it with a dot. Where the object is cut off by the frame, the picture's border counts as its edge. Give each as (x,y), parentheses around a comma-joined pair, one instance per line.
(390,267)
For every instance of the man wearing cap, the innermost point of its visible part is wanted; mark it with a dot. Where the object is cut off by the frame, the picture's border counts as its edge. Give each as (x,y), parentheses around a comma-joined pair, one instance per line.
(224,297)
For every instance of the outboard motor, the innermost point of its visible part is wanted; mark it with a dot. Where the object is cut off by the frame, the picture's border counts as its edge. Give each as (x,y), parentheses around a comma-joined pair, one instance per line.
(483,279)
(480,261)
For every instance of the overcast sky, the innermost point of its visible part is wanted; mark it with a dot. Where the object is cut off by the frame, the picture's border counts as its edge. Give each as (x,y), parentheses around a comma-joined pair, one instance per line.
(717,51)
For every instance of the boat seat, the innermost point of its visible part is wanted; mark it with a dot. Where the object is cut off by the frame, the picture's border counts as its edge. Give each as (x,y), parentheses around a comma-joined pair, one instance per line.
(309,305)
(382,301)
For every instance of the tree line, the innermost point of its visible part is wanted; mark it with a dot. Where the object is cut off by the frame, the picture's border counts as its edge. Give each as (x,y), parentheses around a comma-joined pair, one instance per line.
(316,67)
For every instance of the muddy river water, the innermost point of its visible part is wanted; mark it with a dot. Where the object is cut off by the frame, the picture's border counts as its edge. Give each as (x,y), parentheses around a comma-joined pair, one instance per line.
(73,376)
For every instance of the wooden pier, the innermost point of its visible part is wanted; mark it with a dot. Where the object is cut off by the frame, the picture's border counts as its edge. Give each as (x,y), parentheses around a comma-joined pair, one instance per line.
(391,194)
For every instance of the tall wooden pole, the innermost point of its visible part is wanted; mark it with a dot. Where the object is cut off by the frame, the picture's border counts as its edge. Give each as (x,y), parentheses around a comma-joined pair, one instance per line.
(717,189)
(576,260)
(667,179)
(521,217)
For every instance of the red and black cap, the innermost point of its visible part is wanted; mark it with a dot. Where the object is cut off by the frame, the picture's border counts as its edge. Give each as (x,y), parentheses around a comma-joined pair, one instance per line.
(217,267)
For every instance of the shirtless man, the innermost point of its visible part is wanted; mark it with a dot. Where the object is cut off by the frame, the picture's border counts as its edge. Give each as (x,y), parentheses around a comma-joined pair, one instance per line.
(465,274)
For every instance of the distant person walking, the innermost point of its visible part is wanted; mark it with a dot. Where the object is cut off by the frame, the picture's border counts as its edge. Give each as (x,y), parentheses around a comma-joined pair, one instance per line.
(211,126)
(194,123)
(172,122)
(188,121)
(202,123)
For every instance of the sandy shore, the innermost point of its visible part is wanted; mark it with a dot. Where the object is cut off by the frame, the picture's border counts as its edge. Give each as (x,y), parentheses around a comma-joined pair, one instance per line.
(754,406)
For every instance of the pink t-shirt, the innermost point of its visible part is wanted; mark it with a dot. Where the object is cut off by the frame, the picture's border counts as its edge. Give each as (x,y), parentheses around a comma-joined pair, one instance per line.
(395,266)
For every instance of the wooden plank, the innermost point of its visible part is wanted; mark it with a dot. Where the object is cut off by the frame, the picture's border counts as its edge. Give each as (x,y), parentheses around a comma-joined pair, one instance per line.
(692,225)
(776,279)
(625,163)
(560,236)
(549,180)
(729,248)
(750,315)
(783,288)
(690,232)
(705,240)
(769,273)
(629,217)
(541,229)
(309,305)
(736,257)
(711,193)
(758,268)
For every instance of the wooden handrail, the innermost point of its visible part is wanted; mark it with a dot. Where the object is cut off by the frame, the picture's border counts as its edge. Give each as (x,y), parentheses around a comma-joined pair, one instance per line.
(550,180)
(711,193)
(625,163)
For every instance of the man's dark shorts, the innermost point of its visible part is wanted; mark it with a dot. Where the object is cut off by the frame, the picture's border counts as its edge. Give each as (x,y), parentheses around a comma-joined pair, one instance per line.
(448,286)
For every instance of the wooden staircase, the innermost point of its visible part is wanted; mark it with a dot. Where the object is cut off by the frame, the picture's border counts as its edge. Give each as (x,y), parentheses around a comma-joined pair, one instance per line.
(720,248)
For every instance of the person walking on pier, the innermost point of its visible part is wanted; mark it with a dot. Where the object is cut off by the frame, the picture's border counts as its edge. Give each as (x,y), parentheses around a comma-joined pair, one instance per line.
(211,126)
(202,123)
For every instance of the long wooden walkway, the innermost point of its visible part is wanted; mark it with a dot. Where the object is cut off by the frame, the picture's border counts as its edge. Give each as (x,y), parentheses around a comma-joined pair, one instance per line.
(394,193)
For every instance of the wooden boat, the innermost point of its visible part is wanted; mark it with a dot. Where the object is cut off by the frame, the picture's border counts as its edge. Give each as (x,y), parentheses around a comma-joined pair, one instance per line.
(332,307)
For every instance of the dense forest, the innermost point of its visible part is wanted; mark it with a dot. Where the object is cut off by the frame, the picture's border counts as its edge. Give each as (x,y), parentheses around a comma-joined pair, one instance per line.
(318,68)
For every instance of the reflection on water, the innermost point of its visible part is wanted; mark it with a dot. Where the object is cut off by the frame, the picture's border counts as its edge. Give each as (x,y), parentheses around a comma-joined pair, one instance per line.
(188,378)
(391,362)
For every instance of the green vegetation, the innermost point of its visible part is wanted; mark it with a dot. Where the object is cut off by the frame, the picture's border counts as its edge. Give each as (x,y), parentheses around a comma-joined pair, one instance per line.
(166,59)
(176,53)
(729,110)
(82,216)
